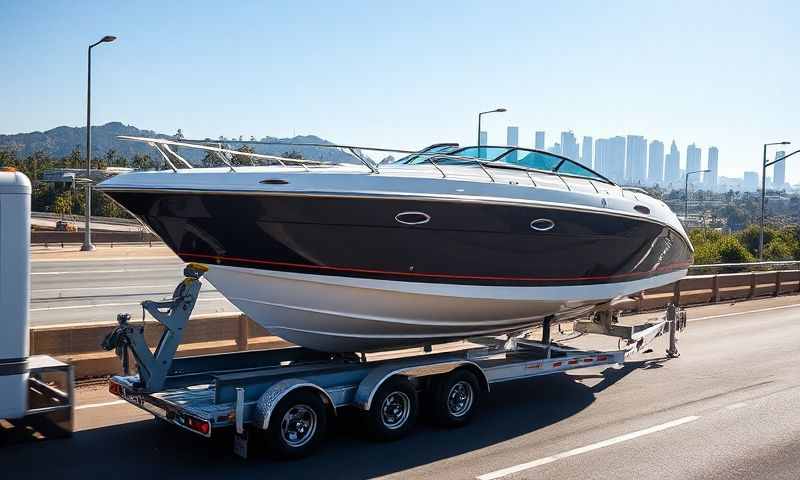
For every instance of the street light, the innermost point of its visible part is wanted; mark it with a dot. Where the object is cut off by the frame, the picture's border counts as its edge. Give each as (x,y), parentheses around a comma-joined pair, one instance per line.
(686,194)
(87,234)
(764,166)
(496,110)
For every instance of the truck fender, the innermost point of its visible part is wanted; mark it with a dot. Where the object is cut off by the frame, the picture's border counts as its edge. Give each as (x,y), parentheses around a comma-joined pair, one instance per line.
(370,385)
(273,395)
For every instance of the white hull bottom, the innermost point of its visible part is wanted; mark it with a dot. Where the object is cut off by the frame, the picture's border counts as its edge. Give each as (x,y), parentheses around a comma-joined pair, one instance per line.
(345,314)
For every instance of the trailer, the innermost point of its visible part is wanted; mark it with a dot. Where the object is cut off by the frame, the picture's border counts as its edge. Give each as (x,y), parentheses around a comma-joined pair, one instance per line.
(288,396)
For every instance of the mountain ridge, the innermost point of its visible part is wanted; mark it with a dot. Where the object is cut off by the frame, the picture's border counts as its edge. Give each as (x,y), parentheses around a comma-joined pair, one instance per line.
(62,140)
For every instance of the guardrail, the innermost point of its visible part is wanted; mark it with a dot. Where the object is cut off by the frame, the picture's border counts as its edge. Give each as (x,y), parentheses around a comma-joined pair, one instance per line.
(47,238)
(79,344)
(80,218)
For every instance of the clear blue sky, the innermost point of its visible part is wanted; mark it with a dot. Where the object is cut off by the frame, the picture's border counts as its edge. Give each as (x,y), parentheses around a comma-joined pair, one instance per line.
(406,74)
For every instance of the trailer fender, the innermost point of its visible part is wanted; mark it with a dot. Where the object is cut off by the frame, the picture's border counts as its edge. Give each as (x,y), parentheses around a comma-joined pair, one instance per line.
(372,382)
(269,399)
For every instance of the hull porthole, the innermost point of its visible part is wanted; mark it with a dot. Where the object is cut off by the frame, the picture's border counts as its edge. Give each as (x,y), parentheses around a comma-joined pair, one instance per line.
(543,224)
(412,218)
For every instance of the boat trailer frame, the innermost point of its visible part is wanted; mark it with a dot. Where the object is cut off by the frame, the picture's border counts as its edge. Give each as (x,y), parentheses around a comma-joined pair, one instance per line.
(243,389)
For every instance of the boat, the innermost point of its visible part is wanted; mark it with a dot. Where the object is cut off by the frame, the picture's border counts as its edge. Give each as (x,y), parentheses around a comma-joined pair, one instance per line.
(445,243)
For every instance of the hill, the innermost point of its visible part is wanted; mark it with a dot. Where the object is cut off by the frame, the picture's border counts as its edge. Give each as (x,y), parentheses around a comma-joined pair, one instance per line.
(60,141)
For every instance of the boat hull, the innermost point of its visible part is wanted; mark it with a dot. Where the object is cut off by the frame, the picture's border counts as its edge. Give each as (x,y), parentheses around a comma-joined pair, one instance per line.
(346,314)
(363,273)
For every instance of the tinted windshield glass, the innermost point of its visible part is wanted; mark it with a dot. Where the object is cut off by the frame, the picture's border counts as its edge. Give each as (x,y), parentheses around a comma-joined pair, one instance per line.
(486,153)
(571,168)
(417,159)
(537,160)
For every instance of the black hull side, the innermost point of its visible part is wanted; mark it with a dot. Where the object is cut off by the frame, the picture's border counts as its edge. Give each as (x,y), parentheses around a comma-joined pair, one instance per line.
(462,243)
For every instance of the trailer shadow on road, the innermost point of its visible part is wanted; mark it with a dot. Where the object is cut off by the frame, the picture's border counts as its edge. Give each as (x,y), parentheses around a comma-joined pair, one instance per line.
(134,450)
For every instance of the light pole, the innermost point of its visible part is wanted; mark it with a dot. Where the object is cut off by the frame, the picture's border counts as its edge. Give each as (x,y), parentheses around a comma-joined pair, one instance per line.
(87,233)
(686,194)
(480,114)
(764,166)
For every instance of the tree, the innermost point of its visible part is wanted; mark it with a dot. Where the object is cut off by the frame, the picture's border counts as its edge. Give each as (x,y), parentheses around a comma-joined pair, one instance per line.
(244,159)
(777,250)
(732,251)
(142,162)
(63,204)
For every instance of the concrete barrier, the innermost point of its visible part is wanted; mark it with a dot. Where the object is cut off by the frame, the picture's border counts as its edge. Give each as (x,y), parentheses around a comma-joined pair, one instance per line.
(79,344)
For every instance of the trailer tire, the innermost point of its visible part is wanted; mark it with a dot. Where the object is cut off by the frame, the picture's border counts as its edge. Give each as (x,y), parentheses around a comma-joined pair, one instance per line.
(297,425)
(393,411)
(455,398)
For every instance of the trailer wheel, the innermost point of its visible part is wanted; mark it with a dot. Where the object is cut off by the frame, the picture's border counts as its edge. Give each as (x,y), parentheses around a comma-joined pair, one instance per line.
(297,425)
(455,398)
(393,410)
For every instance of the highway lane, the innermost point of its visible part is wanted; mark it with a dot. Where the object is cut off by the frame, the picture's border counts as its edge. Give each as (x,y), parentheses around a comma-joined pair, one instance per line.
(73,291)
(727,408)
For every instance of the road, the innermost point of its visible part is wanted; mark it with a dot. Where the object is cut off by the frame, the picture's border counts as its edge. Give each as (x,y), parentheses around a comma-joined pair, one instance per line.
(726,409)
(65,291)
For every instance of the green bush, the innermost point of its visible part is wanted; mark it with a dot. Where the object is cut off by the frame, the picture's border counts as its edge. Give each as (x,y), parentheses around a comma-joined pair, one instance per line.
(778,250)
(731,250)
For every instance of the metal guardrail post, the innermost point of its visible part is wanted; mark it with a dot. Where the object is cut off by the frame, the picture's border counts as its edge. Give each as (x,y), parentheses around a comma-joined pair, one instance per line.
(777,283)
(243,333)
(676,293)
(752,285)
(715,289)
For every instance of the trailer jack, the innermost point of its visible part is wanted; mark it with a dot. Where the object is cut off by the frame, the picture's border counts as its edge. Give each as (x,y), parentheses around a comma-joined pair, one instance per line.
(173,313)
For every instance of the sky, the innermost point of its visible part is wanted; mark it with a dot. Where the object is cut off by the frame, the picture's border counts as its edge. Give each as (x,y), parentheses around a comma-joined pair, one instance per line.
(411,73)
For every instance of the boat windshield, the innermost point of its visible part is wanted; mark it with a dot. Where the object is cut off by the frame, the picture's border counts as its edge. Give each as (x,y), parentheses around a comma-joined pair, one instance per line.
(415,158)
(533,159)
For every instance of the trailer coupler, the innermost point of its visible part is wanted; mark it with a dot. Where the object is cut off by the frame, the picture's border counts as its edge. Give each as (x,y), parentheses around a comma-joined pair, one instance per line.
(173,314)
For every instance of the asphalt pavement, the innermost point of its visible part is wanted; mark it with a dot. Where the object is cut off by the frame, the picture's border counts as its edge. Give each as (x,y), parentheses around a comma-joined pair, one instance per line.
(726,409)
(80,290)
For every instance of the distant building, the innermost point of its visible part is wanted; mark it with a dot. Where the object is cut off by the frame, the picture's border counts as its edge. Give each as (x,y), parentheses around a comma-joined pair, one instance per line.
(710,178)
(512,140)
(586,152)
(556,148)
(636,160)
(601,155)
(750,182)
(779,172)
(655,165)
(539,144)
(615,159)
(693,163)
(569,145)
(483,138)
(672,167)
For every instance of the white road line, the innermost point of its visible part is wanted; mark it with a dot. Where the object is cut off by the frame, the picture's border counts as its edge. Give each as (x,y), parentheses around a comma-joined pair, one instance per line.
(126,270)
(745,313)
(100,305)
(588,448)
(736,406)
(115,287)
(103,404)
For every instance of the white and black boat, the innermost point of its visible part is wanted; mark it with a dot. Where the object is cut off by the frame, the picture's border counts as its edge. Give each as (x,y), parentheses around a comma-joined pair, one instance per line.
(446,243)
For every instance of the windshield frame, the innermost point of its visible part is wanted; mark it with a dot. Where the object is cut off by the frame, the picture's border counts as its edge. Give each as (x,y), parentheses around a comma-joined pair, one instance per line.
(562,160)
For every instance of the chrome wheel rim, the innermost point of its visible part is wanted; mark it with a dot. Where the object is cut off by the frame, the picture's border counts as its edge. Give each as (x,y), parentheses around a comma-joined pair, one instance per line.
(395,410)
(460,398)
(298,425)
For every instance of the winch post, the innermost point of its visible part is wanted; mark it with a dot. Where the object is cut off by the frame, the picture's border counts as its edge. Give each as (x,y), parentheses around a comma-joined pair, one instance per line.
(153,367)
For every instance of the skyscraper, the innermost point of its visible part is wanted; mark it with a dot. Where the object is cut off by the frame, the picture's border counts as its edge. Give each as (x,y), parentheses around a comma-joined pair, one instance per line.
(586,152)
(693,163)
(750,182)
(569,145)
(512,140)
(539,145)
(483,138)
(672,167)
(615,159)
(779,172)
(556,148)
(636,160)
(710,178)
(655,166)
(601,156)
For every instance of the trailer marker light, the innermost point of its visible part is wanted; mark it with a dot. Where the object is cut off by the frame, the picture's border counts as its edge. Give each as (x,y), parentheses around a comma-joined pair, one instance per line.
(602,358)
(588,360)
(557,364)
(572,362)
(114,389)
